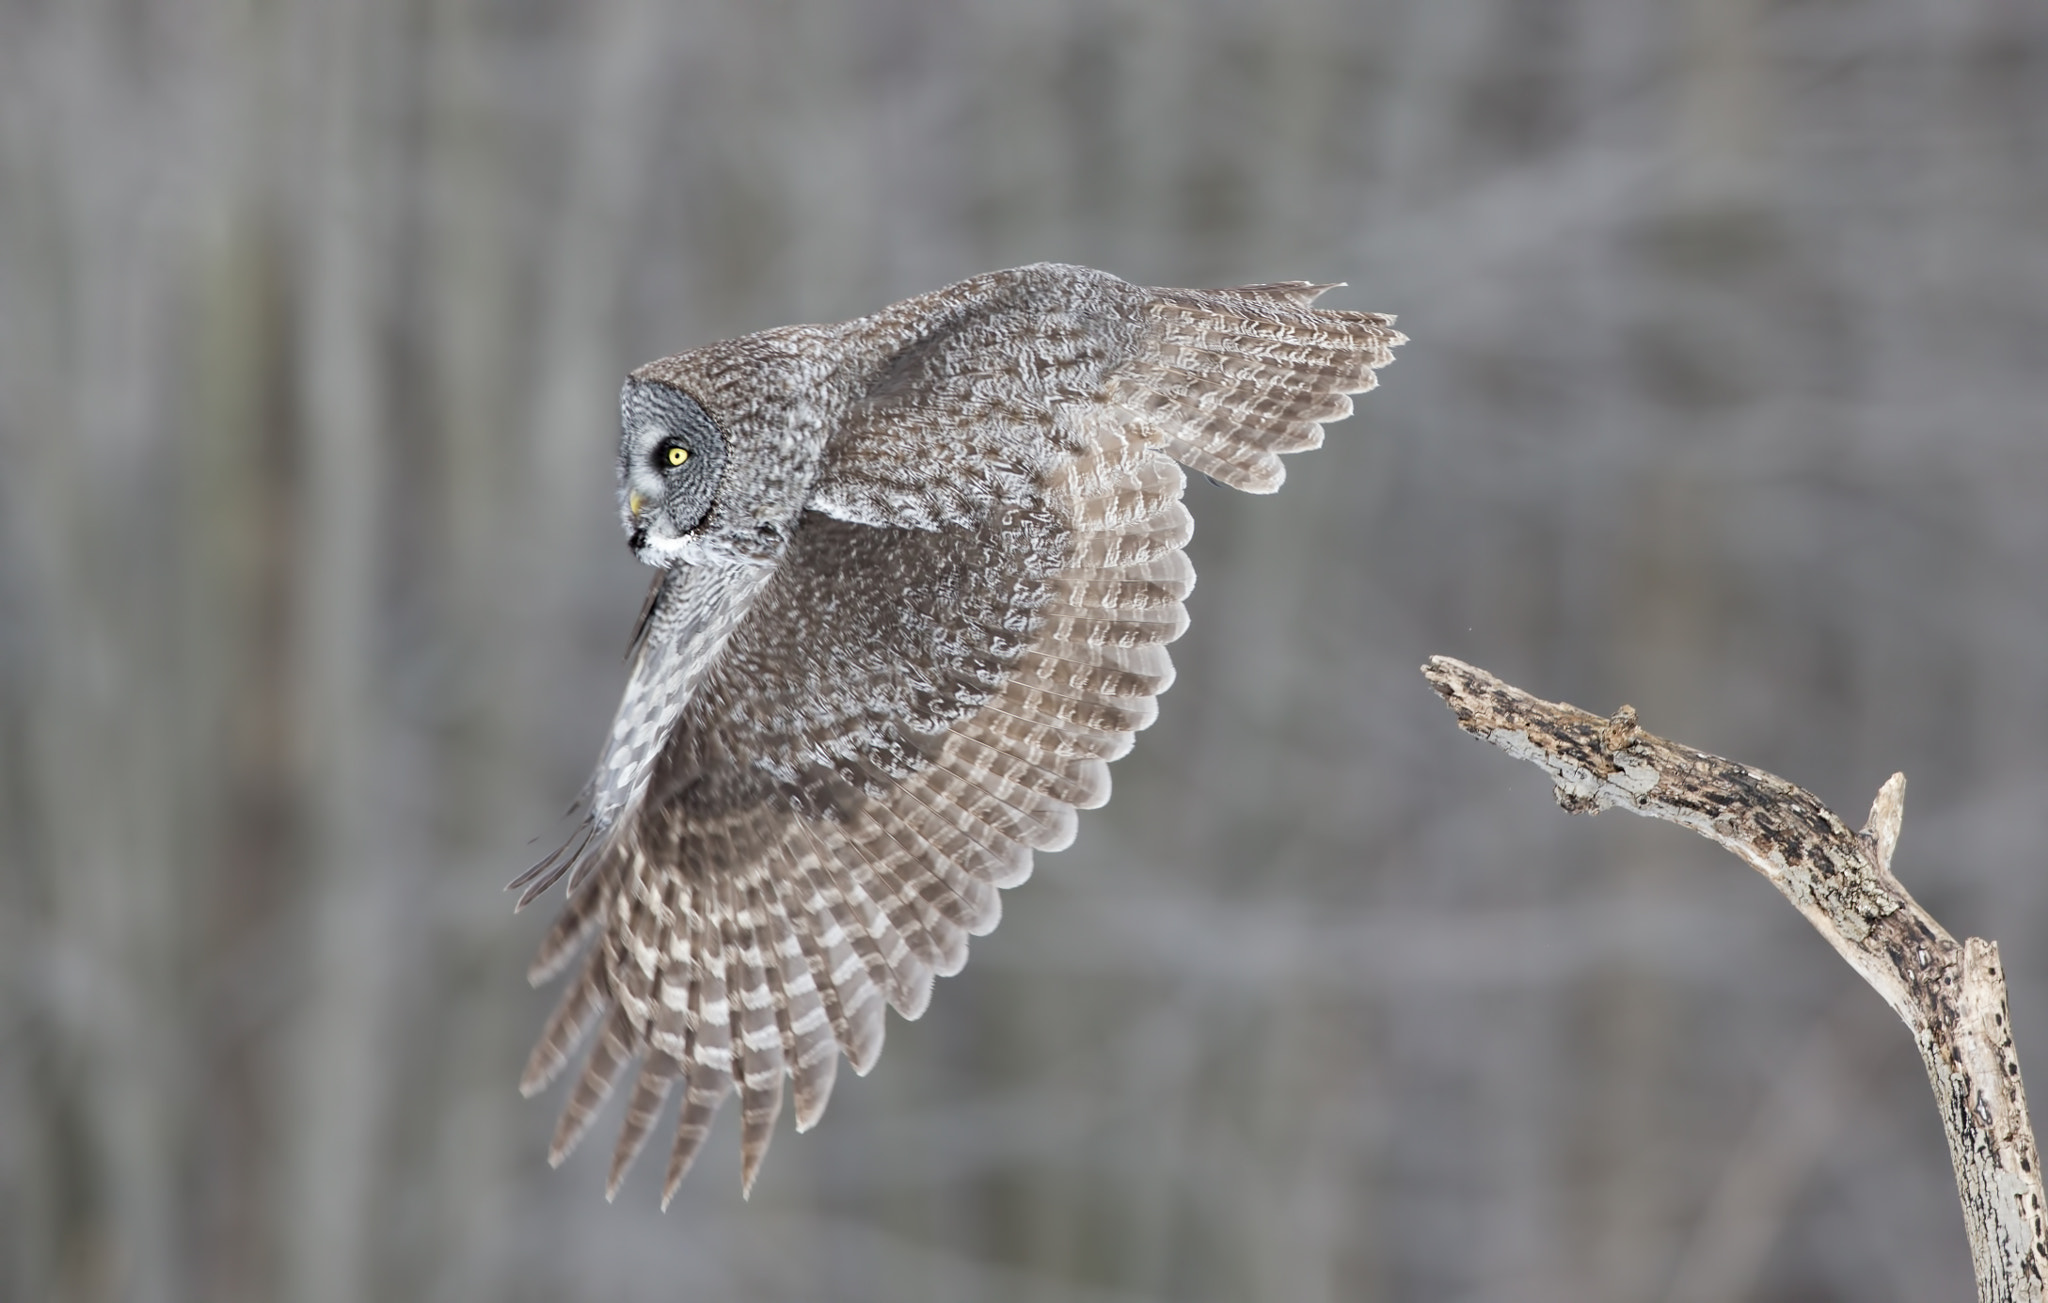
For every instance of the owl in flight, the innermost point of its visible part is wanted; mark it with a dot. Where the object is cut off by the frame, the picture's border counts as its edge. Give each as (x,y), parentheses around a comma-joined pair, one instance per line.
(917,574)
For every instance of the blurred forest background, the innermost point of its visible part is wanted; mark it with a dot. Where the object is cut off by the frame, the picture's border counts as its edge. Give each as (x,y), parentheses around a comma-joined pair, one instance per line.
(1728,397)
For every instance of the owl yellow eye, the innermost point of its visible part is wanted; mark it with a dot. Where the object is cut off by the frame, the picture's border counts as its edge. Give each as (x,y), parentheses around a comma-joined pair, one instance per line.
(677,456)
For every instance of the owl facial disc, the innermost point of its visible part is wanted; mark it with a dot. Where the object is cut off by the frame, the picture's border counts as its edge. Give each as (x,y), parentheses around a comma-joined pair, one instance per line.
(670,456)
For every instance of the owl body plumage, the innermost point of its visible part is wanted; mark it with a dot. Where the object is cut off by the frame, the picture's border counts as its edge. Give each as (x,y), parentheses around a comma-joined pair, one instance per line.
(905,624)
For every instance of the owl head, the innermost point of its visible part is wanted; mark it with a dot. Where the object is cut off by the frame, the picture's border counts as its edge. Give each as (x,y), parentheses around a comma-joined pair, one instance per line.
(670,457)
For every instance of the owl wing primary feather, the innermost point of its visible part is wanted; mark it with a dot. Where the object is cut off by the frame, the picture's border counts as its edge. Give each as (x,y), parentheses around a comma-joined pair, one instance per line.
(966,628)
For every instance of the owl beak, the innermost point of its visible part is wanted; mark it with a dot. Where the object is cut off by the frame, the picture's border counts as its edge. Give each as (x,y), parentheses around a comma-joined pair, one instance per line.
(635,501)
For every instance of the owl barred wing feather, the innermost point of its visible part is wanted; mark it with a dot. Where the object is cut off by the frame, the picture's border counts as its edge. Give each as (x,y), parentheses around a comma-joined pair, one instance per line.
(1233,379)
(857,743)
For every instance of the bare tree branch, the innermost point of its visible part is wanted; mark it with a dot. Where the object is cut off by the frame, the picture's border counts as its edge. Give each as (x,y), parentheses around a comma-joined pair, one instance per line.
(1952,996)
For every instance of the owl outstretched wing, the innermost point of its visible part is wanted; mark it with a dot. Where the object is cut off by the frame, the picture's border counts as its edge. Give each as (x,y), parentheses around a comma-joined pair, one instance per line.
(825,768)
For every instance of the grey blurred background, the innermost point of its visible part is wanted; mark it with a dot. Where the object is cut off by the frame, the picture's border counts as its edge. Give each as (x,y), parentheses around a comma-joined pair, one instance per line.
(1728,397)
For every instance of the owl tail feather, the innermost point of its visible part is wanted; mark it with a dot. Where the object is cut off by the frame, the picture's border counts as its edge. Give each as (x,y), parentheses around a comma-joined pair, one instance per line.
(569,855)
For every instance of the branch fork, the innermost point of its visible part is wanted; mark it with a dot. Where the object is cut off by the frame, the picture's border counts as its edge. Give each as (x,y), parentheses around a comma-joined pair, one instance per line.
(1951,996)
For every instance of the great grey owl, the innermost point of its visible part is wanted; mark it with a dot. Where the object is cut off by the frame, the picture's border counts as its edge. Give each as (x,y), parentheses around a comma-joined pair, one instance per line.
(917,577)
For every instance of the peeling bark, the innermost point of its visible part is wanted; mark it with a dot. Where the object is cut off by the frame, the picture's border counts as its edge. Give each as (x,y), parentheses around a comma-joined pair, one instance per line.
(1951,996)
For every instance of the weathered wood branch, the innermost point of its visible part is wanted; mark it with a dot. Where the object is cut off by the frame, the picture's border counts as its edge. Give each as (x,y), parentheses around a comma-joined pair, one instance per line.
(1951,996)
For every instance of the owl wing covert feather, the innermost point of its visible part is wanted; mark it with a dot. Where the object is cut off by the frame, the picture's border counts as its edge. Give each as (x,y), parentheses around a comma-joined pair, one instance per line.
(969,624)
